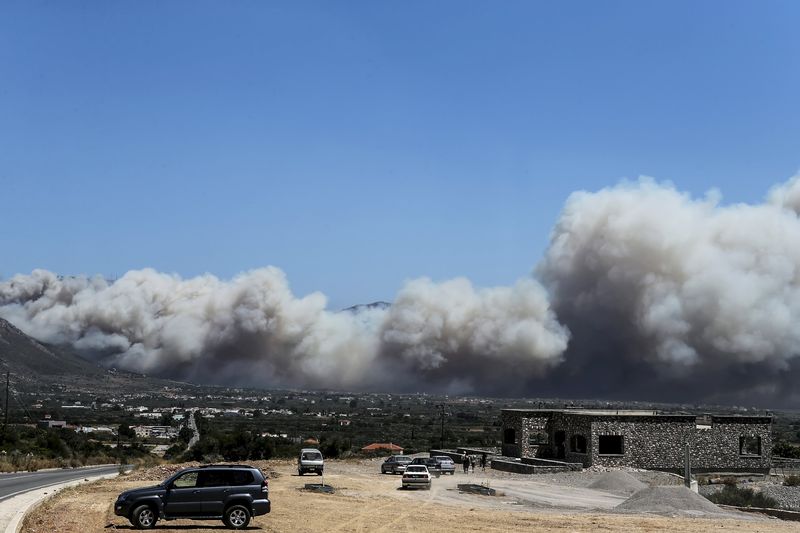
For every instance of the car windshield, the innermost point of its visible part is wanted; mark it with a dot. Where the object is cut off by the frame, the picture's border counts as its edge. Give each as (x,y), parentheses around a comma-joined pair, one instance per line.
(312,456)
(416,468)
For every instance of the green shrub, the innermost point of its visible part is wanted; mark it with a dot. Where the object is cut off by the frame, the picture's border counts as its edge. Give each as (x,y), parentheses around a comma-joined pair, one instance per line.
(742,497)
(792,481)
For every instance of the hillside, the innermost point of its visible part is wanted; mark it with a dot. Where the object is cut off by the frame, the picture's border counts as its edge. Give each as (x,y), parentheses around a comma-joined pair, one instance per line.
(34,365)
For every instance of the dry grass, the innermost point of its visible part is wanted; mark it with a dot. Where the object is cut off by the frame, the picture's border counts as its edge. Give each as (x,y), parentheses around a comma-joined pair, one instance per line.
(364,502)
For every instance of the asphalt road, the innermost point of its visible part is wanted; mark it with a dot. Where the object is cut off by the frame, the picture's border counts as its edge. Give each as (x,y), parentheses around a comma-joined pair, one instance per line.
(13,484)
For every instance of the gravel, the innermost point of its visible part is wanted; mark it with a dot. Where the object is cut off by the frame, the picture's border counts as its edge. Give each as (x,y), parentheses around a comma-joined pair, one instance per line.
(621,482)
(670,501)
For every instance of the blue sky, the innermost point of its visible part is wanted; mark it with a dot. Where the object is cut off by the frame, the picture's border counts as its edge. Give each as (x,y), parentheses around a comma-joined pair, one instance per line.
(359,144)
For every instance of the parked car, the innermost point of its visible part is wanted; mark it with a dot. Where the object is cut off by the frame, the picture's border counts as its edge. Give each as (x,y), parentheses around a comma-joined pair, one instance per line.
(446,464)
(429,462)
(232,493)
(417,476)
(395,464)
(310,460)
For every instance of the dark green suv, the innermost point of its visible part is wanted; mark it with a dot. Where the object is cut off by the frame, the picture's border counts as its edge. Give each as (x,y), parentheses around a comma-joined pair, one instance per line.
(232,493)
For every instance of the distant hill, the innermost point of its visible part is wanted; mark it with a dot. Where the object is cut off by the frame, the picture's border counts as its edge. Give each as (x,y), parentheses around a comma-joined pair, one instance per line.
(364,307)
(34,365)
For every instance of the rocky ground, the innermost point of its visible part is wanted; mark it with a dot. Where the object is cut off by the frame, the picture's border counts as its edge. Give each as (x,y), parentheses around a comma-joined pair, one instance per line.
(365,500)
(787,497)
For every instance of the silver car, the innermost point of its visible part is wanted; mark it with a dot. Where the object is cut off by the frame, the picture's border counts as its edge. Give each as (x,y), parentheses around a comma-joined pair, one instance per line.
(396,464)
(446,464)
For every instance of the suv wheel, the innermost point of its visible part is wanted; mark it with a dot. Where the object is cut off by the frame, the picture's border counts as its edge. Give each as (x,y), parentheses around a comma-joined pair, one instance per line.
(143,517)
(237,517)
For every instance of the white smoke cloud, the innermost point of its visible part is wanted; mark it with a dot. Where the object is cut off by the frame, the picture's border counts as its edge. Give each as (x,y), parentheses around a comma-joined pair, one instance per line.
(678,285)
(253,330)
(786,195)
(484,337)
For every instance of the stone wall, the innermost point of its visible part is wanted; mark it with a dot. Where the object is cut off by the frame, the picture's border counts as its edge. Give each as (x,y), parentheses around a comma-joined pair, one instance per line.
(655,442)
(658,443)
(572,425)
(524,428)
(519,467)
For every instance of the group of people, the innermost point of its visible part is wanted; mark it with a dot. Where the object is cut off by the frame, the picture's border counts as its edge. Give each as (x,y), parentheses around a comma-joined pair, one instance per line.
(469,462)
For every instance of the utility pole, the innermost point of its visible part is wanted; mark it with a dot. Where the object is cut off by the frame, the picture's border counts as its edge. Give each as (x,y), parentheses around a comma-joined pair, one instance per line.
(687,468)
(441,443)
(5,421)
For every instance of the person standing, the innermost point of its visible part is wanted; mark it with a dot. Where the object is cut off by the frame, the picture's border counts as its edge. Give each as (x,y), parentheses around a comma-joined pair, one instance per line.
(483,462)
(465,463)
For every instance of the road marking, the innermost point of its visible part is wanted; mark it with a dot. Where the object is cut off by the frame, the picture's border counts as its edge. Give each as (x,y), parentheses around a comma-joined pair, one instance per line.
(7,496)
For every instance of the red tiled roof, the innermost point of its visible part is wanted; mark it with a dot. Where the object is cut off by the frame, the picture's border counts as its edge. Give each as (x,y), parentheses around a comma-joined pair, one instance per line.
(381,446)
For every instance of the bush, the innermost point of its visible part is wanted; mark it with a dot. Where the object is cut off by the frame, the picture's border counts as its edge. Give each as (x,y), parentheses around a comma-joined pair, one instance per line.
(741,497)
(792,481)
(785,449)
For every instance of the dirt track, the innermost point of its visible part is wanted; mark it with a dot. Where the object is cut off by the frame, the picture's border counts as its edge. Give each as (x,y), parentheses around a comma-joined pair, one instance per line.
(368,501)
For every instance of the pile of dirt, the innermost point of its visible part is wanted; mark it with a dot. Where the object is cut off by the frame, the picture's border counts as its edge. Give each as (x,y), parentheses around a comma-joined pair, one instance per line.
(670,501)
(162,472)
(156,473)
(618,481)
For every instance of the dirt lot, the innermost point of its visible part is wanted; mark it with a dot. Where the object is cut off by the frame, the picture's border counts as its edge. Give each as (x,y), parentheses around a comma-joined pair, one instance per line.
(368,501)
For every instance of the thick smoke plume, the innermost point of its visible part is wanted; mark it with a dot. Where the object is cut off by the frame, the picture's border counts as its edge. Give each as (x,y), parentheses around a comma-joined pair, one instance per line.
(676,297)
(252,330)
(644,292)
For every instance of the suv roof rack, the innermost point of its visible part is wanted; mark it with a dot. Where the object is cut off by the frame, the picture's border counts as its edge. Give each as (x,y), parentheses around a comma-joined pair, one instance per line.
(225,466)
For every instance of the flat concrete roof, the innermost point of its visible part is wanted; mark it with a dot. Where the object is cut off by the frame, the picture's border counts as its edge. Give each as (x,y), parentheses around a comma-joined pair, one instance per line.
(631,412)
(593,412)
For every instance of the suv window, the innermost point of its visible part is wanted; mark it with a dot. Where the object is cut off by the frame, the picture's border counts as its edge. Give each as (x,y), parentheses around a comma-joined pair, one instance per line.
(240,477)
(212,478)
(312,456)
(187,480)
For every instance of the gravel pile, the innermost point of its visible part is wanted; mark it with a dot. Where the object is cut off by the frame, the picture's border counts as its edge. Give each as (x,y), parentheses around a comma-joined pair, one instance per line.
(670,501)
(619,481)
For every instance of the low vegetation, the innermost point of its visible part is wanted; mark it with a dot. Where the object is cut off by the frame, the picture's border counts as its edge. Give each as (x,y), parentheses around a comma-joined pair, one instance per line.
(792,481)
(742,497)
(29,448)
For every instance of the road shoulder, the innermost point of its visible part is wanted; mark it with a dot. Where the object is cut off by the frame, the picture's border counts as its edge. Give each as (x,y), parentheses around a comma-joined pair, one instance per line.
(13,510)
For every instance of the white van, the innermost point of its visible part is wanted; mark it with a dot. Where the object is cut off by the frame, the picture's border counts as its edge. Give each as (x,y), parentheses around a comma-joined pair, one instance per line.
(310,460)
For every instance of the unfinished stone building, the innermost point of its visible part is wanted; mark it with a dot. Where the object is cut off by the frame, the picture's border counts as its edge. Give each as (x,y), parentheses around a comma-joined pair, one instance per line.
(639,439)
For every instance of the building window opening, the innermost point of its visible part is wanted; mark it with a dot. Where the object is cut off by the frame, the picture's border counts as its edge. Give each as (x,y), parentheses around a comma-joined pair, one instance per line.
(538,438)
(509,436)
(750,445)
(577,444)
(610,445)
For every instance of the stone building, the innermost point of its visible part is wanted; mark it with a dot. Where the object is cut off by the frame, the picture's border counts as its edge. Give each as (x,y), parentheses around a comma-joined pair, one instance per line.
(639,439)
